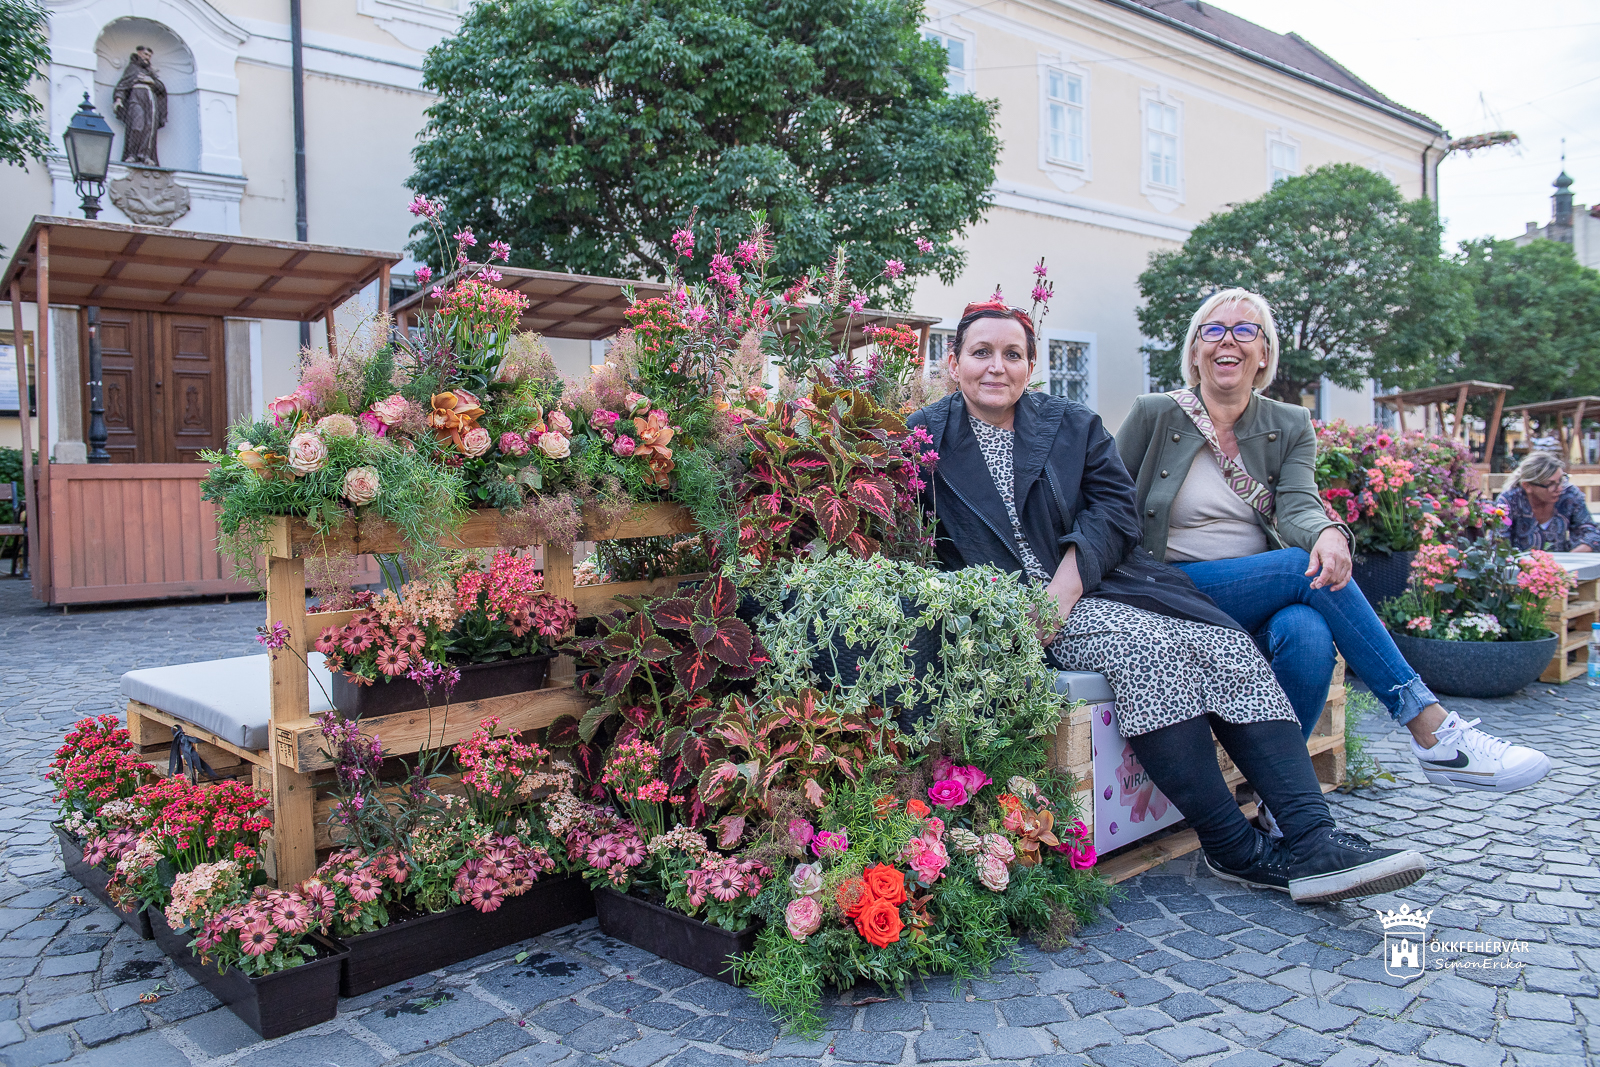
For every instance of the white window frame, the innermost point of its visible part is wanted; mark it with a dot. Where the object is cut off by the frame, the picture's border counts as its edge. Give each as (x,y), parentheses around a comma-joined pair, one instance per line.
(1282,139)
(1066,173)
(1163,197)
(945,34)
(939,340)
(1091,381)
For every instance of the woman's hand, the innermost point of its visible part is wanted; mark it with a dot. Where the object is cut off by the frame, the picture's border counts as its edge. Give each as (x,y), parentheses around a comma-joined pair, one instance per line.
(1066,589)
(1331,557)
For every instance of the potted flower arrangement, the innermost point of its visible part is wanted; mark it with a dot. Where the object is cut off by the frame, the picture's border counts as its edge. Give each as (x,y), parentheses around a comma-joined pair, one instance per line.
(96,772)
(1383,486)
(429,878)
(486,631)
(1472,620)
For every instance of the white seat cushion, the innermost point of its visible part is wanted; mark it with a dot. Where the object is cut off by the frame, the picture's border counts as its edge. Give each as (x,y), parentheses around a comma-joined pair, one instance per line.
(1087,686)
(228,697)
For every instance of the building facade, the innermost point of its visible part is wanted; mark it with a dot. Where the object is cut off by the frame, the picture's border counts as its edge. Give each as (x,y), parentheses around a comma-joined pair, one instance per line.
(1124,124)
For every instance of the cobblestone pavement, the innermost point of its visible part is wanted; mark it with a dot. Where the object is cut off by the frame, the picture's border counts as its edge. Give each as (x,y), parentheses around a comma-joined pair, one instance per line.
(1183,969)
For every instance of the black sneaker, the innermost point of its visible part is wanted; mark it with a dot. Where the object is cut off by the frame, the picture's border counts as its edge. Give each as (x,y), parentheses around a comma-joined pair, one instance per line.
(1331,865)
(1267,869)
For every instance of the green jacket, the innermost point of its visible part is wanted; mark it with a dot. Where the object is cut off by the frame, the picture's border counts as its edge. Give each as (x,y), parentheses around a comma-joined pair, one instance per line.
(1277,445)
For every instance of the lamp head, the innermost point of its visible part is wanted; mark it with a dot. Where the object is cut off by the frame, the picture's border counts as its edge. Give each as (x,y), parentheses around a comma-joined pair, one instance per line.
(88,140)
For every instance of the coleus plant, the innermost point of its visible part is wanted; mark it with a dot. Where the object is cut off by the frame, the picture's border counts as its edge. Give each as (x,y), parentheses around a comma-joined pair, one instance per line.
(657,667)
(833,470)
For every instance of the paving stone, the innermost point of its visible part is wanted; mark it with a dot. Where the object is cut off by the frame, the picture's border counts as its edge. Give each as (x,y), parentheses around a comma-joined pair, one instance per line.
(63,1011)
(1245,1029)
(495,1041)
(1064,980)
(1060,1060)
(1186,1006)
(216,1033)
(1461,1052)
(10,1033)
(857,1047)
(652,1050)
(750,1035)
(1198,974)
(1474,1022)
(706,1028)
(51,1048)
(539,979)
(1389,1036)
(895,1015)
(1198,945)
(602,1035)
(154,1050)
(1458,990)
(78,963)
(1351,1057)
(175,1007)
(1080,1034)
(433,1019)
(1188,1042)
(1366,997)
(312,1051)
(1322,1017)
(937,1046)
(966,1015)
(1093,1001)
(1552,1038)
(1542,1006)
(1142,991)
(1301,1046)
(1135,1055)
(102,1028)
(1550,980)
(1110,971)
(544,1054)
(1013,1043)
(660,1016)
(1248,1058)
(1251,996)
(1260,940)
(1131,1021)
(622,995)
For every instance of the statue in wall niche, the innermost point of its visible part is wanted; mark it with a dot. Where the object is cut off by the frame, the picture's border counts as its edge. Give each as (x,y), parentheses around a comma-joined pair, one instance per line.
(150,197)
(140,101)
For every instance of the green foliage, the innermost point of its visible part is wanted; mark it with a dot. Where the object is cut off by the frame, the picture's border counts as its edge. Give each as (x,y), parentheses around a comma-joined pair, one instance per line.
(1352,271)
(985,688)
(586,132)
(1535,322)
(1361,768)
(11,471)
(24,51)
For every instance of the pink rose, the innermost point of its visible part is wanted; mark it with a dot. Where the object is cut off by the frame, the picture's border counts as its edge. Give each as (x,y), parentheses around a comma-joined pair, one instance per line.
(935,827)
(373,425)
(603,420)
(971,777)
(307,453)
(476,441)
(286,407)
(827,840)
(637,403)
(513,444)
(928,859)
(801,832)
(623,446)
(336,425)
(392,409)
(993,874)
(560,423)
(361,485)
(806,881)
(1081,859)
(803,917)
(555,445)
(949,793)
(465,399)
(999,847)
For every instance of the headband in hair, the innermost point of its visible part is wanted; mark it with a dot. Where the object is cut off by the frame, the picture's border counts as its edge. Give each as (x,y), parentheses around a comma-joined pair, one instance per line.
(999,305)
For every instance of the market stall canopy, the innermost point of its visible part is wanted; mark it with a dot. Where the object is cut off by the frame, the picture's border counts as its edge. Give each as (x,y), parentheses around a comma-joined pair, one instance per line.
(589,308)
(150,268)
(1439,395)
(1560,409)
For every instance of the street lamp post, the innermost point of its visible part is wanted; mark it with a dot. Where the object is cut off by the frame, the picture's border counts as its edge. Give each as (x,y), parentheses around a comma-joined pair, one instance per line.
(88,139)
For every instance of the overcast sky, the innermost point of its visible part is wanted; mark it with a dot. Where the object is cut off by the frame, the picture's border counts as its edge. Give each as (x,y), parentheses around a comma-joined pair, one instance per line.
(1536,64)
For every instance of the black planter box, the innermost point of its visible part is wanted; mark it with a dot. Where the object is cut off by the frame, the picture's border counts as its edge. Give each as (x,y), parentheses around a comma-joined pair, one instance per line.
(1476,668)
(425,943)
(94,880)
(672,935)
(478,682)
(275,1004)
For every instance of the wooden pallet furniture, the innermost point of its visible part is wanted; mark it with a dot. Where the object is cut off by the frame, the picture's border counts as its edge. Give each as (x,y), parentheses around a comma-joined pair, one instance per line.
(1074,754)
(1570,622)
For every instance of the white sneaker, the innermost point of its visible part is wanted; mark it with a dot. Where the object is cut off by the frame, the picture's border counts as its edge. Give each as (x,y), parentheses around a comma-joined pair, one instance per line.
(1469,757)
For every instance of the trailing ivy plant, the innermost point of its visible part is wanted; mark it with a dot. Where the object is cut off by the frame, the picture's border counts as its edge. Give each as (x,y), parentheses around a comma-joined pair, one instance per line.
(984,688)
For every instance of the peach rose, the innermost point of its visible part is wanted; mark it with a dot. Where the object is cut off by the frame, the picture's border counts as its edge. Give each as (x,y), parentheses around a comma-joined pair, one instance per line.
(307,453)
(391,409)
(336,425)
(555,445)
(559,422)
(803,917)
(476,441)
(361,485)
(286,407)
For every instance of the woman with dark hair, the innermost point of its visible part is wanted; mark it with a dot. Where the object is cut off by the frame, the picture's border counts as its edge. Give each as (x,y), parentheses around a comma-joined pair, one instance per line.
(1032,484)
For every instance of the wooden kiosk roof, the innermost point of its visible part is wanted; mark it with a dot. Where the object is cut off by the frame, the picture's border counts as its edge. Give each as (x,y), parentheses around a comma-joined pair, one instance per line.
(590,308)
(1439,394)
(1572,405)
(150,268)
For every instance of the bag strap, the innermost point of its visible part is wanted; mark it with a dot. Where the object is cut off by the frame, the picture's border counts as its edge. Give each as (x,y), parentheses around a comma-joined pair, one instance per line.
(1239,480)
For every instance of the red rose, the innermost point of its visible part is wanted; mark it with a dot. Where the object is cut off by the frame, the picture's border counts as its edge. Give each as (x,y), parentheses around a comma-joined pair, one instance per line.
(885,883)
(853,895)
(879,922)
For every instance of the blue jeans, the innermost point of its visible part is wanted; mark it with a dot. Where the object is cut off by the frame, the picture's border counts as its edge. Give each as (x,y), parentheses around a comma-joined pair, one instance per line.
(1297,627)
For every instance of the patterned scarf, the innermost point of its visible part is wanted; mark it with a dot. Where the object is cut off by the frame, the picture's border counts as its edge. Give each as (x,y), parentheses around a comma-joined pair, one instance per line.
(1244,487)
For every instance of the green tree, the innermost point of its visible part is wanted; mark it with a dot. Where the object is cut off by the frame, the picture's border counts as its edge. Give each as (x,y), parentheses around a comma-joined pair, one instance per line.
(1353,272)
(584,132)
(1535,323)
(24,50)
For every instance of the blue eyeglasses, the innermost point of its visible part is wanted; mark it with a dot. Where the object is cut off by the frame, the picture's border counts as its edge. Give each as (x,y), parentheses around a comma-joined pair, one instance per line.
(1243,332)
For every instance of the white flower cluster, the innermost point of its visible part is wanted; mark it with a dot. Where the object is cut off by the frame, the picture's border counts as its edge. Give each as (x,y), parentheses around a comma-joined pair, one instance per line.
(1477,626)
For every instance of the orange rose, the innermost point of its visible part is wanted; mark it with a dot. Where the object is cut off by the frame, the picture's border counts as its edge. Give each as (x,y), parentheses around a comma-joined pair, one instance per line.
(879,922)
(885,883)
(853,895)
(917,808)
(884,805)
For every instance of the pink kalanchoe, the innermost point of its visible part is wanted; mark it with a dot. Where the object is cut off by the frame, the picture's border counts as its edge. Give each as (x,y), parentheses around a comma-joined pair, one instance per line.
(624,446)
(465,238)
(422,207)
(858,303)
(803,917)
(924,245)
(893,268)
(513,444)
(949,793)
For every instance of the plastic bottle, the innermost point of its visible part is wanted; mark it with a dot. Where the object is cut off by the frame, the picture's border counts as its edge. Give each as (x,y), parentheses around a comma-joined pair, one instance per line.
(1594,656)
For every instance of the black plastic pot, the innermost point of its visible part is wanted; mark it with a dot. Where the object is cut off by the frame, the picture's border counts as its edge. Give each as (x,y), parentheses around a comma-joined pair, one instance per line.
(1381,577)
(275,1004)
(95,880)
(423,943)
(478,682)
(1476,668)
(672,935)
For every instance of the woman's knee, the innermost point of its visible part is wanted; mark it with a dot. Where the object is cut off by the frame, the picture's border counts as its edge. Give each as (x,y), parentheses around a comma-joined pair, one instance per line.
(1301,633)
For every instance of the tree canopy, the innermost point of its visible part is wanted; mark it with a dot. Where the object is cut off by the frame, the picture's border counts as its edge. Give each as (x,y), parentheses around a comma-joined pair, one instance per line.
(1352,270)
(585,132)
(24,50)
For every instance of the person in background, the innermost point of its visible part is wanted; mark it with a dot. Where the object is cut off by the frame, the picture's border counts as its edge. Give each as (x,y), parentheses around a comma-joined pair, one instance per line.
(1546,510)
(1227,491)
(1031,484)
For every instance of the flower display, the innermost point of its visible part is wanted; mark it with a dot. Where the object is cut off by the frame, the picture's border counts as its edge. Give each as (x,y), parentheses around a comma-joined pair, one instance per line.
(307,453)
(336,425)
(361,485)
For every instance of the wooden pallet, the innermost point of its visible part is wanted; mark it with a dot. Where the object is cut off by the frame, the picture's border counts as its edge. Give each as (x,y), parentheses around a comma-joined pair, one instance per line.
(1571,624)
(1074,753)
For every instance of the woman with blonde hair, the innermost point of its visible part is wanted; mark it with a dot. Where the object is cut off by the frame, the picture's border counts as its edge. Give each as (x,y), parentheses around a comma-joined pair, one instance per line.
(1546,510)
(1227,492)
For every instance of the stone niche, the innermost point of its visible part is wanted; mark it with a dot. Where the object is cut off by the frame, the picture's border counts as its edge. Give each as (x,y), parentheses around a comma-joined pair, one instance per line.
(179,139)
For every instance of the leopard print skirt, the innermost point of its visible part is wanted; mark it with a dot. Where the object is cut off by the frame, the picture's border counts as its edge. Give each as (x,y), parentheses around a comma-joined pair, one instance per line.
(1164,670)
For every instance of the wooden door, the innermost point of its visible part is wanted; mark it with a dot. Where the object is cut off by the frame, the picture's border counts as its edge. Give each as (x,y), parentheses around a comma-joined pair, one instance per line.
(165,385)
